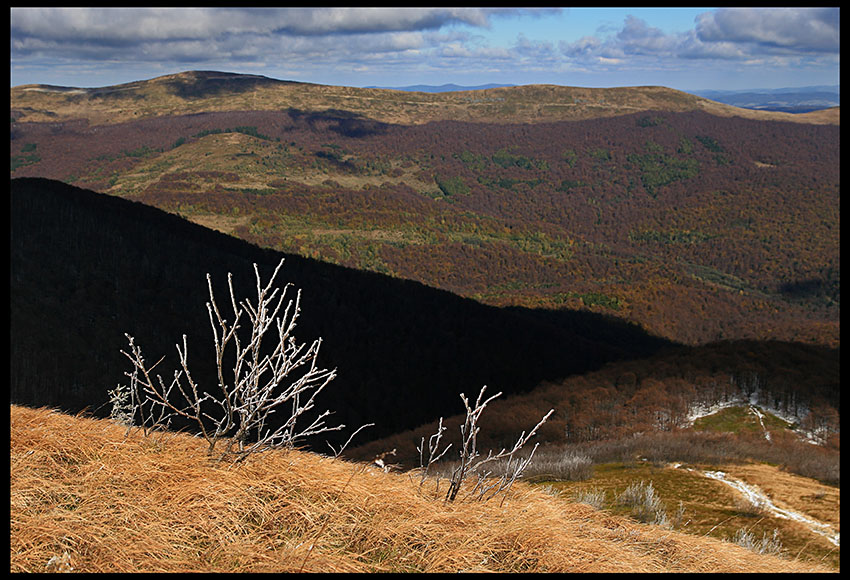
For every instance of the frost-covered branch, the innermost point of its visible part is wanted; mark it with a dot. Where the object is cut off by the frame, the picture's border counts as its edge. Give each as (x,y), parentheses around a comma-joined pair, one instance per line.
(470,464)
(258,385)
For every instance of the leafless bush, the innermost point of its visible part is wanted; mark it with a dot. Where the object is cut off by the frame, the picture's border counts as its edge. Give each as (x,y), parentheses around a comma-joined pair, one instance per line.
(122,408)
(560,464)
(766,545)
(434,453)
(678,519)
(594,497)
(645,505)
(260,383)
(487,485)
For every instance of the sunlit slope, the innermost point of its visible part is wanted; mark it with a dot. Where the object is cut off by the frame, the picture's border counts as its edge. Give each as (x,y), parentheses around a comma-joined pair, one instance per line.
(205,91)
(78,487)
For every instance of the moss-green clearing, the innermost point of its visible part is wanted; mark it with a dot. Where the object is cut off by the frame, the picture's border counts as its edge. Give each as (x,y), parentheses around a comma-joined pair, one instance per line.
(710,507)
(740,419)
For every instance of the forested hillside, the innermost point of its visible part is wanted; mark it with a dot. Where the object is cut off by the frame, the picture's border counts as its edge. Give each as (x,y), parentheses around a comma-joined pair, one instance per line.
(88,267)
(694,226)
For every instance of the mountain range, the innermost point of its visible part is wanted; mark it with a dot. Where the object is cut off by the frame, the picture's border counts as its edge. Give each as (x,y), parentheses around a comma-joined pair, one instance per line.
(788,99)
(655,206)
(658,269)
(528,234)
(88,267)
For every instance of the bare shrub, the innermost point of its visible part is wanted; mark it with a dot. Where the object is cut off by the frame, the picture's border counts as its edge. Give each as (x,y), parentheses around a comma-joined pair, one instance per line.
(260,383)
(678,520)
(122,407)
(559,464)
(749,508)
(645,505)
(487,485)
(766,545)
(434,453)
(594,497)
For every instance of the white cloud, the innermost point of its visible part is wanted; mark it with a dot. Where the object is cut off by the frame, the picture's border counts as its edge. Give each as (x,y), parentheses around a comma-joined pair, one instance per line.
(184,35)
(130,25)
(401,42)
(800,29)
(726,34)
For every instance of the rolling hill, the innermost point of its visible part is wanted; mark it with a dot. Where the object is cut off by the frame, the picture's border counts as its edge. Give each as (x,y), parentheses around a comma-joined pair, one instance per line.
(697,221)
(211,91)
(790,100)
(630,258)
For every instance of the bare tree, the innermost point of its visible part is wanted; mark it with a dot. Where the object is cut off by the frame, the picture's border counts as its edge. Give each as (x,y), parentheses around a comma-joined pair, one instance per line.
(470,464)
(258,385)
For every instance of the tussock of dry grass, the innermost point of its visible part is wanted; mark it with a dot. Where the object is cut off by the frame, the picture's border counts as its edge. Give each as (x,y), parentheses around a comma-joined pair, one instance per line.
(128,505)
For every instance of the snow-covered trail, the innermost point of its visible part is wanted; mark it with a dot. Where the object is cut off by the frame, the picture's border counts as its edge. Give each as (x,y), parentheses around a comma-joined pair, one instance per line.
(758,498)
(755,411)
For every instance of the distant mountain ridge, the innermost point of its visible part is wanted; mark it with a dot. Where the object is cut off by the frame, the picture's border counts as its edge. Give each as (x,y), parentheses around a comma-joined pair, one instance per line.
(210,91)
(788,99)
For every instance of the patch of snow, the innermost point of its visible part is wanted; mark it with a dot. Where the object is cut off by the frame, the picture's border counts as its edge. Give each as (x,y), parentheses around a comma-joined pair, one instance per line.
(757,497)
(699,411)
(760,415)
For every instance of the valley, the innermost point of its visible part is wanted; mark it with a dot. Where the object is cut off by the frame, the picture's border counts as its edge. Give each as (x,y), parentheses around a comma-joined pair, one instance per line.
(696,227)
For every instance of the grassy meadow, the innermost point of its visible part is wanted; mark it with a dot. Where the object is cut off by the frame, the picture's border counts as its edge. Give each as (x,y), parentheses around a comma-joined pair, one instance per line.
(86,498)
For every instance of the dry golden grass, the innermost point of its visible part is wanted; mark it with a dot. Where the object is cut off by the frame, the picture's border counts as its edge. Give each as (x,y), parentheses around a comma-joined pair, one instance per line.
(790,491)
(78,487)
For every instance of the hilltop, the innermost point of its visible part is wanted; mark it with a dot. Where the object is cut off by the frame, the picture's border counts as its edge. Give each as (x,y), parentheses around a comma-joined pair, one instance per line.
(194,92)
(96,501)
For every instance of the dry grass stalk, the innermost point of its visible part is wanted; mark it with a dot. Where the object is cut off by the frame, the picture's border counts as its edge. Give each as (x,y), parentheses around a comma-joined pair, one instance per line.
(127,505)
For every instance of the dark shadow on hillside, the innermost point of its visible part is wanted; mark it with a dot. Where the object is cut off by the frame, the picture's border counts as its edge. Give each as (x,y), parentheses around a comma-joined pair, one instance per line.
(87,267)
(345,123)
(203,84)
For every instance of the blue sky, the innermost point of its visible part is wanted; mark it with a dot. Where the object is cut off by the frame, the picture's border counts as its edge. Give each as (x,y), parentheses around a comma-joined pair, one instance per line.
(682,48)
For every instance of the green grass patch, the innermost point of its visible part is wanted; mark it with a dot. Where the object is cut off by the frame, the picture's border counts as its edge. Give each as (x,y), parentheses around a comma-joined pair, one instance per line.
(739,419)
(17,161)
(591,299)
(658,169)
(452,186)
(506,159)
(709,507)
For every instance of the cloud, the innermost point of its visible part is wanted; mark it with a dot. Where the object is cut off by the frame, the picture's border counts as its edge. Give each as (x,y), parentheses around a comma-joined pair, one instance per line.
(137,25)
(799,29)
(638,38)
(322,44)
(725,34)
(203,35)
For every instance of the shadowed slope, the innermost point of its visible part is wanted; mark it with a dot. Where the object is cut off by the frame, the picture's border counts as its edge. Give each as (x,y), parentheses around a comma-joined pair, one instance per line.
(87,267)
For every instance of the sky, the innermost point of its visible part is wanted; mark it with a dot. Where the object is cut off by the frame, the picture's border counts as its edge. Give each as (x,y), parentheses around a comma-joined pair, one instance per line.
(688,49)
